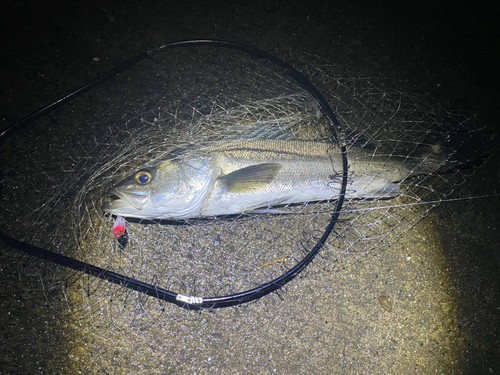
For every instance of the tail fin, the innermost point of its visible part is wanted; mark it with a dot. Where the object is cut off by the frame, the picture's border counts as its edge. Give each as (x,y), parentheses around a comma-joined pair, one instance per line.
(453,146)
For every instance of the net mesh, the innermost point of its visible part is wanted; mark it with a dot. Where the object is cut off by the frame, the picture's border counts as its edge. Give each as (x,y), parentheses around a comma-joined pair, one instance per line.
(58,174)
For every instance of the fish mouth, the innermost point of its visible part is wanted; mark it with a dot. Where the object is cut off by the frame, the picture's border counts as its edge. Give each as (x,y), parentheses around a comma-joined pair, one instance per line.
(125,200)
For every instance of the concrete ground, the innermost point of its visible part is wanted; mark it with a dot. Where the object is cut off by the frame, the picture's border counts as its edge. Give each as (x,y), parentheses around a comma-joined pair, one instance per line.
(441,276)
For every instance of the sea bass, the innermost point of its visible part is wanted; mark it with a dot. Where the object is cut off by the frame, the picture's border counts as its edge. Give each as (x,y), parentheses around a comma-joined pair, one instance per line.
(253,175)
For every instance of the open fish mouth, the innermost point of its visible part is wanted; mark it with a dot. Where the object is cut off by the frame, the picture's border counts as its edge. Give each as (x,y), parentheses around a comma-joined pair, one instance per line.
(125,200)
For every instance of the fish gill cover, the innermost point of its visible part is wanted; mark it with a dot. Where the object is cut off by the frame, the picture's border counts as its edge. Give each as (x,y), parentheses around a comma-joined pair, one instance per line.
(58,174)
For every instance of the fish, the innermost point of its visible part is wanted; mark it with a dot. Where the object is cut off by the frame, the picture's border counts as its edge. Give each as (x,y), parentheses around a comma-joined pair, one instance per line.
(246,176)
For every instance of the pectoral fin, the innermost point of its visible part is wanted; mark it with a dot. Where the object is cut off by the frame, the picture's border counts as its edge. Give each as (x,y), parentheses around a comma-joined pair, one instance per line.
(250,178)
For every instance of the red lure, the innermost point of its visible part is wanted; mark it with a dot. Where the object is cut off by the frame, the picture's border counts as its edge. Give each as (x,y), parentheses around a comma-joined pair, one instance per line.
(119,227)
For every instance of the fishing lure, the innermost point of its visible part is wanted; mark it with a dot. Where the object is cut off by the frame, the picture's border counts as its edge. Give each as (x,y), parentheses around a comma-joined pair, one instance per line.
(119,227)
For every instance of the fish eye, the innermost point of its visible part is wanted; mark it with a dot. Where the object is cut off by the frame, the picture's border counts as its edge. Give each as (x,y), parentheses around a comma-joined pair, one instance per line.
(143,177)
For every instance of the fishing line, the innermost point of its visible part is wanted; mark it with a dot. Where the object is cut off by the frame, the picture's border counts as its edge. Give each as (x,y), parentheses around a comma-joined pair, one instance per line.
(153,290)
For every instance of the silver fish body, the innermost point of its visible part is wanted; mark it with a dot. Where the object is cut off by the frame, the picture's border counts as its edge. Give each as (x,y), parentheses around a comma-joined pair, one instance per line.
(251,175)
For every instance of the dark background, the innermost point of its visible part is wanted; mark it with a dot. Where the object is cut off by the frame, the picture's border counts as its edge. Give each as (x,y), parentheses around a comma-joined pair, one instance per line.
(446,49)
